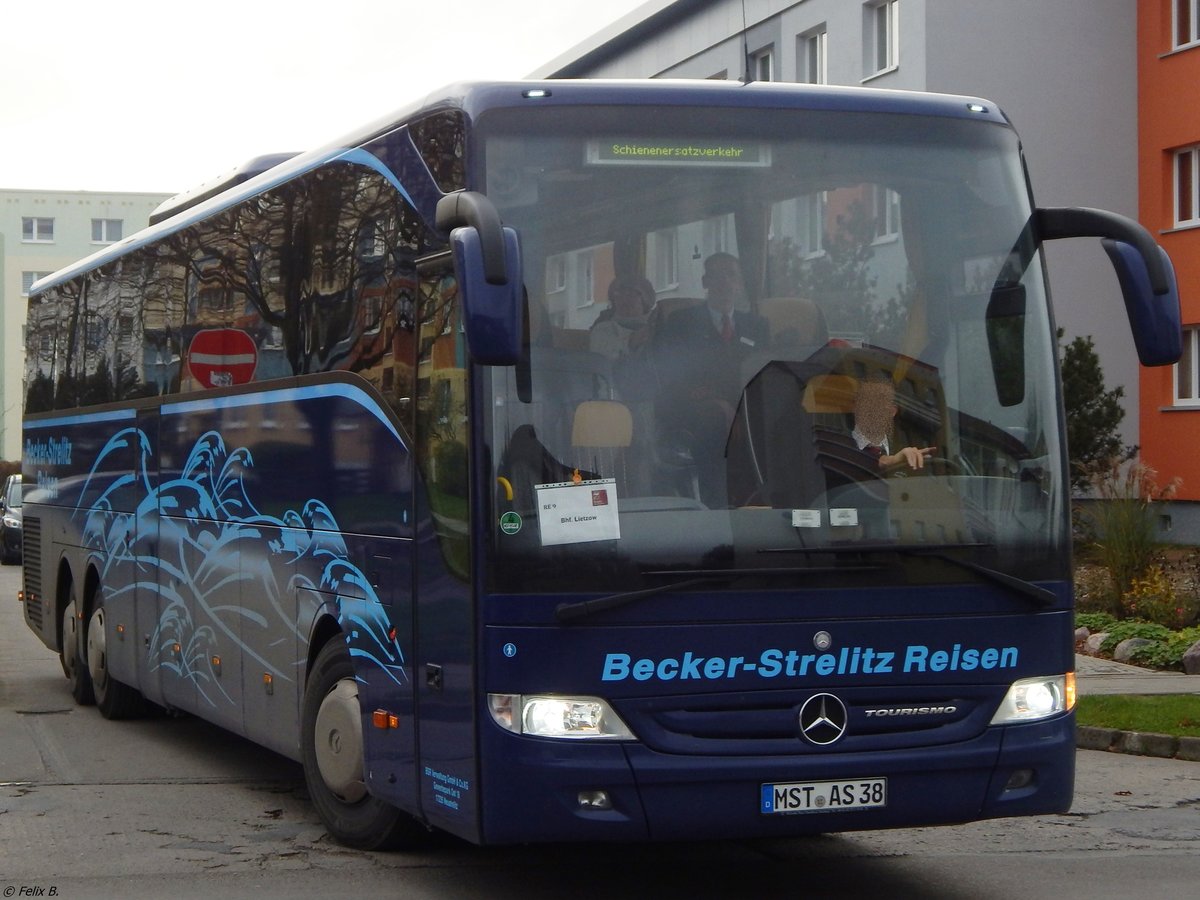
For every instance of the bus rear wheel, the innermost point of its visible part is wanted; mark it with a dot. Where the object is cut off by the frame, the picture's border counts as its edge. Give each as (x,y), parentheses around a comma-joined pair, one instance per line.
(71,655)
(332,751)
(114,699)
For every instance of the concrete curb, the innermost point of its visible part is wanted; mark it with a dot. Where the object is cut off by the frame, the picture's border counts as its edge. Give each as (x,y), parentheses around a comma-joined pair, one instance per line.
(1088,737)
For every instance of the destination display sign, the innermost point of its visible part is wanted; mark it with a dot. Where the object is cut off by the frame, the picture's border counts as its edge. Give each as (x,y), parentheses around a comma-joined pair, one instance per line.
(678,152)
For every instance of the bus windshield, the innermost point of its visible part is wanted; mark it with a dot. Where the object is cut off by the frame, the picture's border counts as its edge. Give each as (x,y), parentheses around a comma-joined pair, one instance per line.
(769,341)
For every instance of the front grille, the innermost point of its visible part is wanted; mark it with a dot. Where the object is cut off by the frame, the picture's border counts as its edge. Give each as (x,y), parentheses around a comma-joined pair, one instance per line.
(769,722)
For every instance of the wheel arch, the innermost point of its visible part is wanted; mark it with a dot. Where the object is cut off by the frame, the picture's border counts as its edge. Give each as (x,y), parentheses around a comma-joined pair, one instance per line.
(325,629)
(64,578)
(91,584)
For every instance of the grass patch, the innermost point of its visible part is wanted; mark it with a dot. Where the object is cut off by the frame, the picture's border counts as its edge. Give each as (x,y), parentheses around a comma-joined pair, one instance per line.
(1174,714)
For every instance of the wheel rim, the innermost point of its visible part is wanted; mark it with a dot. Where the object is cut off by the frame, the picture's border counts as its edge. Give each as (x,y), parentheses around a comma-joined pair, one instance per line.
(70,641)
(339,742)
(96,659)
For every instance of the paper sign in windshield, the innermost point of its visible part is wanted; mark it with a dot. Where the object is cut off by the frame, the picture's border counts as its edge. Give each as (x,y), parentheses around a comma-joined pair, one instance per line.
(570,513)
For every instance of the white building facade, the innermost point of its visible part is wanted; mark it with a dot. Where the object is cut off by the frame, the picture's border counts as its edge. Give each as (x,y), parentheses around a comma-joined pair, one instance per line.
(1064,72)
(40,232)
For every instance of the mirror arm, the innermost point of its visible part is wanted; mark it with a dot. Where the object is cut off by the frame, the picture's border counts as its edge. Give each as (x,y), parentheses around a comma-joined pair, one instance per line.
(1069,222)
(470,208)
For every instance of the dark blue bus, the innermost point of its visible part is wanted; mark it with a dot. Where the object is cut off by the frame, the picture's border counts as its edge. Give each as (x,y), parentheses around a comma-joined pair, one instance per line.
(510,464)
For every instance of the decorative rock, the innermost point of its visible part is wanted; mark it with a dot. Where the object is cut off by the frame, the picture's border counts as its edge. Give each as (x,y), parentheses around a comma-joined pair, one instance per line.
(1092,646)
(1081,635)
(1126,648)
(1191,659)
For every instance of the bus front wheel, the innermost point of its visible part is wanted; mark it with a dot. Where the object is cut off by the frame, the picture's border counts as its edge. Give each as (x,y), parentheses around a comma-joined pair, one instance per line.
(332,748)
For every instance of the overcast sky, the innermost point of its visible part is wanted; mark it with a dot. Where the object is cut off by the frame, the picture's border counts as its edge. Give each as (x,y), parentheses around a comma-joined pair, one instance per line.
(159,96)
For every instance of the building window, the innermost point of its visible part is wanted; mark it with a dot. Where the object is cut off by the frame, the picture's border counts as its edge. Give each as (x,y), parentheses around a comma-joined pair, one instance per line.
(881,51)
(28,279)
(811,232)
(556,273)
(885,208)
(1186,30)
(106,231)
(1187,201)
(1187,370)
(663,256)
(811,66)
(37,230)
(763,65)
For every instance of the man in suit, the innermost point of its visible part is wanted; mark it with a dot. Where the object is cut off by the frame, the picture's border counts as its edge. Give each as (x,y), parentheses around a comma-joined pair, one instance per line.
(719,321)
(700,351)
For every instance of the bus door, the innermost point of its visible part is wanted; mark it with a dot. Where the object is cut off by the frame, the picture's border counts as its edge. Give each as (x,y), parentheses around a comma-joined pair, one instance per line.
(445,617)
(158,652)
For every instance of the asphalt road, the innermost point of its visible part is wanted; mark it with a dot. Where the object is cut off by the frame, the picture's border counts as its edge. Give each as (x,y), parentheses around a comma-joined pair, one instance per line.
(174,807)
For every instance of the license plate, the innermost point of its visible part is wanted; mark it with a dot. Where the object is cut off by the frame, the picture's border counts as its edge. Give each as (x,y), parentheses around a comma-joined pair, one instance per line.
(824,796)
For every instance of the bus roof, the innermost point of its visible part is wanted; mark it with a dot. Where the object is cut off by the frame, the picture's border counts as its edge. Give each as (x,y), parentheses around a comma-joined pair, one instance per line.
(474,98)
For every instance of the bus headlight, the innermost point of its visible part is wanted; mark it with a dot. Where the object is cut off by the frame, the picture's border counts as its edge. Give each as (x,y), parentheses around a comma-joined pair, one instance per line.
(541,715)
(1031,699)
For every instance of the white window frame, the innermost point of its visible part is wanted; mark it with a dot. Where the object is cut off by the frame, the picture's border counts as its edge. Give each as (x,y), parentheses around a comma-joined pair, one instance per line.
(39,234)
(812,56)
(1186,193)
(28,279)
(1185,24)
(556,273)
(885,207)
(585,278)
(881,38)
(811,211)
(1185,374)
(105,226)
(764,64)
(663,252)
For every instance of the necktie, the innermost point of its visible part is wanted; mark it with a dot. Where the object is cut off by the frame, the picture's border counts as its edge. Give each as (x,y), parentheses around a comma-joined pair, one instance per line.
(726,328)
(875,450)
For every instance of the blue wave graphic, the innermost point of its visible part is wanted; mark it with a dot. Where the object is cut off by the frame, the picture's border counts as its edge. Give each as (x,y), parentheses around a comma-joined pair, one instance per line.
(198,544)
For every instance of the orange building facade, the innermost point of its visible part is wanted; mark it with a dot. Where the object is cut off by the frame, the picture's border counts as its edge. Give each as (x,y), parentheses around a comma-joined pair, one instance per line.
(1169,205)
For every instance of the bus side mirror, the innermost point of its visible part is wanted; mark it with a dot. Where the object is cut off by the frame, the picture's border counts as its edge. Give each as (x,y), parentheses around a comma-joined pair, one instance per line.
(1154,318)
(1143,268)
(491,312)
(487,262)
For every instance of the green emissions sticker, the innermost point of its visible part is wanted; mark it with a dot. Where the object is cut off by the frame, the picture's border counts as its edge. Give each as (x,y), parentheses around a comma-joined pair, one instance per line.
(510,523)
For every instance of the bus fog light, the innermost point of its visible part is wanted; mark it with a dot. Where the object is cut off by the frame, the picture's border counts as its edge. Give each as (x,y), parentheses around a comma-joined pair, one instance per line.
(1031,699)
(595,800)
(557,717)
(1019,779)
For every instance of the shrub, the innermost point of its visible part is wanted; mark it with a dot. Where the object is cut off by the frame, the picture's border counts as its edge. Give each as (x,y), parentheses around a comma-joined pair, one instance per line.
(1125,520)
(1168,654)
(1093,592)
(1095,622)
(1121,631)
(1154,598)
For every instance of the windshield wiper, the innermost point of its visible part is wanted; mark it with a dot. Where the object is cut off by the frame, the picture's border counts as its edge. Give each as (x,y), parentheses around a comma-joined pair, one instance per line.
(568,612)
(1039,595)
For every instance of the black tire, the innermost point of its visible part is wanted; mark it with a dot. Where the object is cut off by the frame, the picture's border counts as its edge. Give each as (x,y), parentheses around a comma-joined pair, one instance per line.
(71,653)
(114,699)
(332,752)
